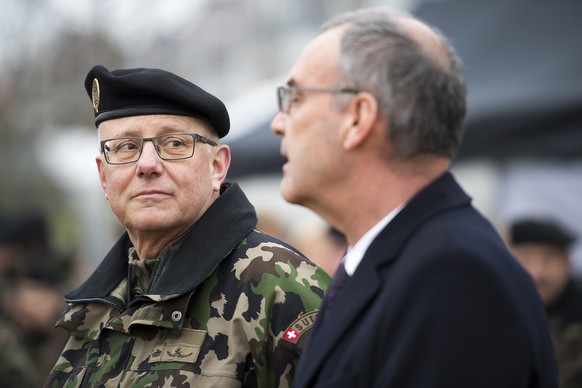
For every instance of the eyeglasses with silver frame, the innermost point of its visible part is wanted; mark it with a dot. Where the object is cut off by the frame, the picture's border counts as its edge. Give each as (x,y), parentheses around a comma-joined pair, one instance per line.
(172,146)
(286,94)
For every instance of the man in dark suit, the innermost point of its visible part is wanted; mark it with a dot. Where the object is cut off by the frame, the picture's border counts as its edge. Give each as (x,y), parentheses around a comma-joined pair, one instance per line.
(370,120)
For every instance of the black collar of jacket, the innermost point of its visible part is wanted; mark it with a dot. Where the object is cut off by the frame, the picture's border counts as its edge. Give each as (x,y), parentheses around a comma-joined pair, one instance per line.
(441,195)
(220,230)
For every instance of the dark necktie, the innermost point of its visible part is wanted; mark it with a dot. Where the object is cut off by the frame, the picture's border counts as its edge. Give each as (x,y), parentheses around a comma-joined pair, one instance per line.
(337,283)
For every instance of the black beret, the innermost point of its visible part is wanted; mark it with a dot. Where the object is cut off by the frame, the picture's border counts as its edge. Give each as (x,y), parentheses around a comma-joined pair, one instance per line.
(540,231)
(136,92)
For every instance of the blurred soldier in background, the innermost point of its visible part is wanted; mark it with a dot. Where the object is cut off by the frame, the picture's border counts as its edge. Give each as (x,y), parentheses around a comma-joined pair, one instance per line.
(31,278)
(543,247)
(322,243)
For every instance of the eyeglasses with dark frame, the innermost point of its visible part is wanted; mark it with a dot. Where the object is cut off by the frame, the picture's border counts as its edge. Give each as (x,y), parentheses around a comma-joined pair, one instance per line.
(172,146)
(285,94)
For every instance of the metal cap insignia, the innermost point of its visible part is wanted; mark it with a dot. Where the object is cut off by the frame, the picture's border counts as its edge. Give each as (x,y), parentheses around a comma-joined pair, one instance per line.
(95,95)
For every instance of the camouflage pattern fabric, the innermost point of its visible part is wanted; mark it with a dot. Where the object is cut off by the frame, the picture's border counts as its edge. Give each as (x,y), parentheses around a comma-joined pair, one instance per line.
(17,368)
(566,325)
(243,325)
(568,348)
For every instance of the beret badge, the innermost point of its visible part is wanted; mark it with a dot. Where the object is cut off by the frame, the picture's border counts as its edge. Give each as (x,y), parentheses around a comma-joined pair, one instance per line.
(95,95)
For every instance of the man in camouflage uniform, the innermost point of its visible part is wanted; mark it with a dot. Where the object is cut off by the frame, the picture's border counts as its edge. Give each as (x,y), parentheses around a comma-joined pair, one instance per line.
(543,247)
(192,295)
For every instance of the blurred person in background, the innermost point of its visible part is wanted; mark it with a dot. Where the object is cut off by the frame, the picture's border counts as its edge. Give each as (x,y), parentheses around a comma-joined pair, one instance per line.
(192,294)
(322,243)
(543,246)
(269,223)
(32,276)
(370,118)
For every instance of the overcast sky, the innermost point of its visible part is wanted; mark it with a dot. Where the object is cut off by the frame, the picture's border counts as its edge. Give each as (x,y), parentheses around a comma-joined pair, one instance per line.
(27,25)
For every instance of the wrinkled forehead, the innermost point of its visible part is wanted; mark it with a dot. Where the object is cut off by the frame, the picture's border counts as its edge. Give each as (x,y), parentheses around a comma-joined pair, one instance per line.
(151,125)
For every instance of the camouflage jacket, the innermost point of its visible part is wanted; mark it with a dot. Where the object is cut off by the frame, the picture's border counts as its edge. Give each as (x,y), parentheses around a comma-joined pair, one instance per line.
(232,307)
(565,318)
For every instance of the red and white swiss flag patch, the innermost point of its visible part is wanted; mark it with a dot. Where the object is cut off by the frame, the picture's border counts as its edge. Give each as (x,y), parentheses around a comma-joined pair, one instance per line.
(299,326)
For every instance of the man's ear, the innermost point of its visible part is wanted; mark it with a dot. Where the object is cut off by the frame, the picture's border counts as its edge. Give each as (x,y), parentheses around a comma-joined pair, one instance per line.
(220,165)
(360,119)
(99,161)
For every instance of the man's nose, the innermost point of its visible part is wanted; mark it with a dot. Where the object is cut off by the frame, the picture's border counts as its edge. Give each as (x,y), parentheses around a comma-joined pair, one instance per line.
(278,124)
(537,270)
(149,160)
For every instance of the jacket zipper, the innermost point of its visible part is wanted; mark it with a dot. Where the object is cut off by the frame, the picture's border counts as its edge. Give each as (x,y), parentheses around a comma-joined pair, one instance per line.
(105,301)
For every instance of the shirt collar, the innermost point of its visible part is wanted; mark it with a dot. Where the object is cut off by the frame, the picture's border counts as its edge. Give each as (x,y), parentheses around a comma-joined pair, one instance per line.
(356,253)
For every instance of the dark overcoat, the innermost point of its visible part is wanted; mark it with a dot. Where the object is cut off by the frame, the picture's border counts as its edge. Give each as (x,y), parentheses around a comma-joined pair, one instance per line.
(437,301)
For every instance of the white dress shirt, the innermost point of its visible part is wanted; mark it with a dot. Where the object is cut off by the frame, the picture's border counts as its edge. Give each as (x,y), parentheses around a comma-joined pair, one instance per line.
(356,253)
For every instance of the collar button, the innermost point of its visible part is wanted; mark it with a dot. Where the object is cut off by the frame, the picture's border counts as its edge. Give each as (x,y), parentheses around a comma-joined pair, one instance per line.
(176,316)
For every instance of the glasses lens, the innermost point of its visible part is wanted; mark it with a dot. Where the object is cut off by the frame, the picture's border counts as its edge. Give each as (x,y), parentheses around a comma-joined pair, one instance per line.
(280,91)
(175,146)
(123,150)
(284,98)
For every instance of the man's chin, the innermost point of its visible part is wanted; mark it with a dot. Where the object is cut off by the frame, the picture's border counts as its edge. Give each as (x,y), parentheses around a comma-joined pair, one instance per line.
(289,195)
(150,221)
(546,295)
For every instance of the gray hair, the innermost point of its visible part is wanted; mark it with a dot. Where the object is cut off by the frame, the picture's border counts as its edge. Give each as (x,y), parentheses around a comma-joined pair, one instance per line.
(423,101)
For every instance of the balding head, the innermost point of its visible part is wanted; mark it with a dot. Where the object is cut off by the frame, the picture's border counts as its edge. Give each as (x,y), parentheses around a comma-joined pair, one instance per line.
(429,40)
(414,74)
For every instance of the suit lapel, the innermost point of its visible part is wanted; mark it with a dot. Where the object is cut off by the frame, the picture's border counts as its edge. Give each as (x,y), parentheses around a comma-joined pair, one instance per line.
(361,288)
(356,295)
